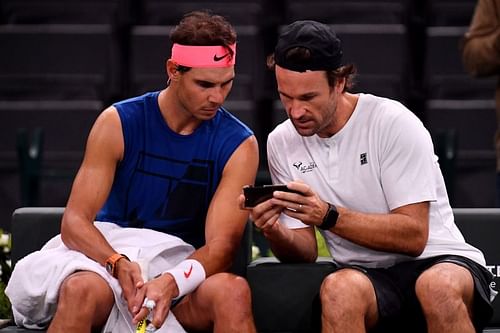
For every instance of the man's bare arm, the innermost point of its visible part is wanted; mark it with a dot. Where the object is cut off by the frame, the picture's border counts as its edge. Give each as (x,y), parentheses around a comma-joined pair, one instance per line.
(225,222)
(91,188)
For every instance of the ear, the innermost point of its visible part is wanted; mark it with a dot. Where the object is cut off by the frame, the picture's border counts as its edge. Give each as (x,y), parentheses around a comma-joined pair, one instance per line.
(340,84)
(172,72)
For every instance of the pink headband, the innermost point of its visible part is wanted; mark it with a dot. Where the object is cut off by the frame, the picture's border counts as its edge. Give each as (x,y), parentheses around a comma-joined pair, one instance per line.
(203,56)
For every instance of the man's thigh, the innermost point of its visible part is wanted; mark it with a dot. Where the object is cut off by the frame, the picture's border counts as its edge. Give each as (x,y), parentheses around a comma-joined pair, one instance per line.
(196,310)
(399,307)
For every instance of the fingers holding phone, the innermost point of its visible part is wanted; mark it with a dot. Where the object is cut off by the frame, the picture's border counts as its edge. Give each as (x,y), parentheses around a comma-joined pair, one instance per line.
(263,212)
(302,203)
(295,199)
(255,195)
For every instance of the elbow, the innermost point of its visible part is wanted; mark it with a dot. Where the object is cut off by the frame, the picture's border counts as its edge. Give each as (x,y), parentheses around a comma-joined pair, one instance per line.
(311,257)
(294,258)
(66,234)
(65,237)
(415,252)
(228,261)
(306,258)
(417,246)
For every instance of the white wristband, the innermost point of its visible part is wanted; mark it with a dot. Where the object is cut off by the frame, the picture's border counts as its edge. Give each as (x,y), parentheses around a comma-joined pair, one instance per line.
(188,275)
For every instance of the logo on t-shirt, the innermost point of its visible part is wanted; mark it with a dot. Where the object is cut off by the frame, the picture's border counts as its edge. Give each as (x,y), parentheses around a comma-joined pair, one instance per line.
(363,159)
(304,167)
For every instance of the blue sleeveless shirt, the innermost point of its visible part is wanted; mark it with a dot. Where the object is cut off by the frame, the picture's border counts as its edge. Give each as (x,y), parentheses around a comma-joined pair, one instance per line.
(166,180)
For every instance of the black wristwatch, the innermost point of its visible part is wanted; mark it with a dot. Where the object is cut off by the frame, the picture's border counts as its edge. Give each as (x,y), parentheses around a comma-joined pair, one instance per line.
(330,218)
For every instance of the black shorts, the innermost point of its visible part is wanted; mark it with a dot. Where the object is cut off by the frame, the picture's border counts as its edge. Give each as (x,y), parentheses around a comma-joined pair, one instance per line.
(398,305)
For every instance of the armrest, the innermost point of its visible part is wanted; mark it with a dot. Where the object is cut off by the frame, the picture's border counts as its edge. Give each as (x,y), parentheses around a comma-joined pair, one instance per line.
(481,228)
(32,227)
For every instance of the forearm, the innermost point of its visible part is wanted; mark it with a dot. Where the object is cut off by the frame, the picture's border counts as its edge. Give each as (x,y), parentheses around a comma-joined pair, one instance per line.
(81,235)
(217,255)
(394,232)
(292,245)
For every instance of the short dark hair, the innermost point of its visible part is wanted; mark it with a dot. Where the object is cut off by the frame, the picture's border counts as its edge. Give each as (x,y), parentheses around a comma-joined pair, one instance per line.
(301,54)
(203,28)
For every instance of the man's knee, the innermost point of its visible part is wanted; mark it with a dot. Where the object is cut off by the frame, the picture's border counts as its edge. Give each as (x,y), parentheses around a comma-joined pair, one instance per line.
(348,295)
(443,286)
(346,283)
(76,287)
(229,288)
(85,291)
(444,278)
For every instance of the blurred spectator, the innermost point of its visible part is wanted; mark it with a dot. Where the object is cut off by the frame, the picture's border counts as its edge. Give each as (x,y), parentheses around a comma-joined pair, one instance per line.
(481,56)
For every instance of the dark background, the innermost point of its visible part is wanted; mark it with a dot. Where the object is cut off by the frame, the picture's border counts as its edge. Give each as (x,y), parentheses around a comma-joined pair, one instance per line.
(62,62)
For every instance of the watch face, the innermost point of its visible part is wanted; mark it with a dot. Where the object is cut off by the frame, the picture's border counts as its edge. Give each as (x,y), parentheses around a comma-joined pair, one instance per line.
(109,268)
(330,219)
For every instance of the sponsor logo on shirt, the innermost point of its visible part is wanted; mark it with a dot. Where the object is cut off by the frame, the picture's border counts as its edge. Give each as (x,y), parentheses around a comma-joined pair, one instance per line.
(304,167)
(363,159)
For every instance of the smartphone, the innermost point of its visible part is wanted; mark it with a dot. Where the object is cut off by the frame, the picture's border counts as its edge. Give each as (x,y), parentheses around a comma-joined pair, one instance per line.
(254,195)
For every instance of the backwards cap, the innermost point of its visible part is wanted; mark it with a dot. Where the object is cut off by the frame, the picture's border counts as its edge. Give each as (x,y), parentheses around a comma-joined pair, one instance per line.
(321,41)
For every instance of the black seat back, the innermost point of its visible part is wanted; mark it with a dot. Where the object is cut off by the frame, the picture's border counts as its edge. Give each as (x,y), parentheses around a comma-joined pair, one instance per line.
(481,228)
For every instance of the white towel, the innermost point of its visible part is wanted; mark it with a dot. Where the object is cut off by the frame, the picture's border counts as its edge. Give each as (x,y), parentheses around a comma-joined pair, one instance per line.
(34,285)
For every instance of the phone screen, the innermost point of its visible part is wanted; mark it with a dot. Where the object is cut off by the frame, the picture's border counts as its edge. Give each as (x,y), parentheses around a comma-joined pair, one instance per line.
(254,195)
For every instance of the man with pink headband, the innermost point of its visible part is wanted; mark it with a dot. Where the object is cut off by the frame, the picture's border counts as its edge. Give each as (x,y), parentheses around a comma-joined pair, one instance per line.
(164,164)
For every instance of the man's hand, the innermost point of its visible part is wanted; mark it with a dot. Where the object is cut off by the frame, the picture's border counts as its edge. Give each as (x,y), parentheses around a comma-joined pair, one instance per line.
(264,216)
(295,244)
(307,206)
(130,279)
(161,290)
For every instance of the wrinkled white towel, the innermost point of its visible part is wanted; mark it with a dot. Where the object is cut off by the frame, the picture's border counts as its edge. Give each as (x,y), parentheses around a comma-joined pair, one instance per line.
(34,285)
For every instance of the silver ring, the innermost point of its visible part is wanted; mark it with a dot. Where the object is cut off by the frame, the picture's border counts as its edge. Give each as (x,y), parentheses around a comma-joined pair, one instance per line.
(149,304)
(300,206)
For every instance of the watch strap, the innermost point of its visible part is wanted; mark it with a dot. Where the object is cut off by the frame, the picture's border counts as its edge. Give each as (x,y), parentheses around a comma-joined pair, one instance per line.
(110,263)
(330,219)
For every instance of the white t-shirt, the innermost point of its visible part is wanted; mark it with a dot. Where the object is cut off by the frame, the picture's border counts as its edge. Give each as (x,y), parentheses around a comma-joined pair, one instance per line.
(382,159)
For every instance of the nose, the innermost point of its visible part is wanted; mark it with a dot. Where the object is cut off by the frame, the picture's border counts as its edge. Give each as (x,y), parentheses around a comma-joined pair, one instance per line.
(295,109)
(216,95)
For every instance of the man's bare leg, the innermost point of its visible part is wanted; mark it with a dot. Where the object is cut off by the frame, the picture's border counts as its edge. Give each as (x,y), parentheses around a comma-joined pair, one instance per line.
(348,302)
(85,301)
(446,293)
(222,302)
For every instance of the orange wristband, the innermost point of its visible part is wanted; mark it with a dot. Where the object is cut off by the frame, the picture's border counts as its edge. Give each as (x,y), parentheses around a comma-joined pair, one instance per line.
(110,263)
